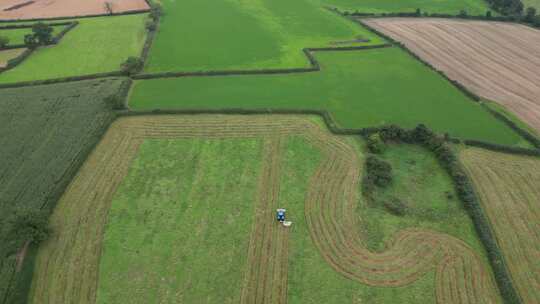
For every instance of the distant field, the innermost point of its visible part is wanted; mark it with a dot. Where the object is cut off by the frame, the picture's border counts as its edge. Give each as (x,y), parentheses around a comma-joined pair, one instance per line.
(532,3)
(126,205)
(96,45)
(199,35)
(16,36)
(360,89)
(473,7)
(6,55)
(45,133)
(496,60)
(64,8)
(509,189)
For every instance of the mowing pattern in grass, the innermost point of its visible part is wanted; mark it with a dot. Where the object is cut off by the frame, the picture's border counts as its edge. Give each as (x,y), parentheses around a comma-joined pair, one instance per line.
(509,189)
(196,35)
(155,208)
(96,45)
(45,134)
(472,7)
(359,88)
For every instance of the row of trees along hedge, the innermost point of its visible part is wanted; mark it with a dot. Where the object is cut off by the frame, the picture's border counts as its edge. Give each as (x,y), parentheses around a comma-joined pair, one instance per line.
(511,11)
(438,145)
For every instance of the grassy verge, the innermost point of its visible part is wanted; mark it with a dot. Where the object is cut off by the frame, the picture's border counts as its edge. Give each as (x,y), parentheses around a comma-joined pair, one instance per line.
(197,35)
(96,45)
(16,36)
(360,88)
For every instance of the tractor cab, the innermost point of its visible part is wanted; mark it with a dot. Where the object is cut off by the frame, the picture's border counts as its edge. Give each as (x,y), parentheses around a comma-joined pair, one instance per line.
(280,215)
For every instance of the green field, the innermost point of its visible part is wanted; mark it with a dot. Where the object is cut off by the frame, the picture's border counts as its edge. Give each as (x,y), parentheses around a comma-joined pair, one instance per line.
(199,35)
(359,88)
(16,36)
(96,45)
(473,7)
(45,133)
(532,3)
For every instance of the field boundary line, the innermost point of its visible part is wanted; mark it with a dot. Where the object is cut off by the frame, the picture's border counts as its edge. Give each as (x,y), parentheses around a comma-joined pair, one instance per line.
(132,12)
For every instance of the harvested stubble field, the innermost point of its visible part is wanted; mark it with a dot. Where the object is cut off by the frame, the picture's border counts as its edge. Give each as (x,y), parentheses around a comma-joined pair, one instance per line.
(509,189)
(96,45)
(498,61)
(45,134)
(207,186)
(40,9)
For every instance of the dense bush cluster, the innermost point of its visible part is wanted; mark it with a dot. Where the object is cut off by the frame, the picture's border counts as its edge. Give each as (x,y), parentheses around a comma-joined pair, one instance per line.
(438,146)
(378,174)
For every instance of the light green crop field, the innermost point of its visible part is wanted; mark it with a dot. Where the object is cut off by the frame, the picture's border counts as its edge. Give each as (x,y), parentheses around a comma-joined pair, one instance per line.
(532,3)
(175,234)
(199,35)
(473,7)
(359,88)
(96,45)
(16,36)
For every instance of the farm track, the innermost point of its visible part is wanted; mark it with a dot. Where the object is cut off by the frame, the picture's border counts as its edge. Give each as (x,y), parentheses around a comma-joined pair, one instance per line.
(67,265)
(509,190)
(498,61)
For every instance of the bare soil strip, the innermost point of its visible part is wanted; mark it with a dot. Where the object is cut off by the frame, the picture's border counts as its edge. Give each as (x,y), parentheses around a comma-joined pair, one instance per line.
(67,265)
(498,61)
(509,190)
(265,280)
(21,9)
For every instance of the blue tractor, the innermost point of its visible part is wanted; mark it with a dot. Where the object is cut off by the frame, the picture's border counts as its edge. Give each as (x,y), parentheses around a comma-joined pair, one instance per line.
(280,215)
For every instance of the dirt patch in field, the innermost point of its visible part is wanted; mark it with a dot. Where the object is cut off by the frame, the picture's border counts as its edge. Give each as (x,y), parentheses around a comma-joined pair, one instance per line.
(6,55)
(498,61)
(509,189)
(21,9)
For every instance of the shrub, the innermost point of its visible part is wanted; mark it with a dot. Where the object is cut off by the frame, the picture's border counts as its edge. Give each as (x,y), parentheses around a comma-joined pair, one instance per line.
(396,206)
(156,11)
(42,33)
(30,41)
(4,41)
(378,172)
(132,65)
(375,144)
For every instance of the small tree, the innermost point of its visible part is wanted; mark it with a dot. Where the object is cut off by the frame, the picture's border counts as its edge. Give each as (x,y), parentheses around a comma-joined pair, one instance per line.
(375,144)
(418,12)
(530,13)
(4,41)
(108,7)
(42,33)
(156,11)
(132,65)
(30,41)
(30,225)
(378,172)
(488,14)
(463,14)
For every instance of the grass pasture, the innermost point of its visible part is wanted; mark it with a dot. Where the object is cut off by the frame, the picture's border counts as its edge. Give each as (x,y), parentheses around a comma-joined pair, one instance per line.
(199,35)
(509,191)
(181,209)
(45,134)
(96,45)
(16,36)
(359,88)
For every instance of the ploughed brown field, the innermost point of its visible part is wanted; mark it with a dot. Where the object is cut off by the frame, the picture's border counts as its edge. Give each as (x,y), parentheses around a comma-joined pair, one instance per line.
(509,190)
(32,9)
(498,61)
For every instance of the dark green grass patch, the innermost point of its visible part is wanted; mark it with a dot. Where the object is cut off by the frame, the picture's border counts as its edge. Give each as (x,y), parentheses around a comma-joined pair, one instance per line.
(179,226)
(359,88)
(96,45)
(472,7)
(45,134)
(197,35)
